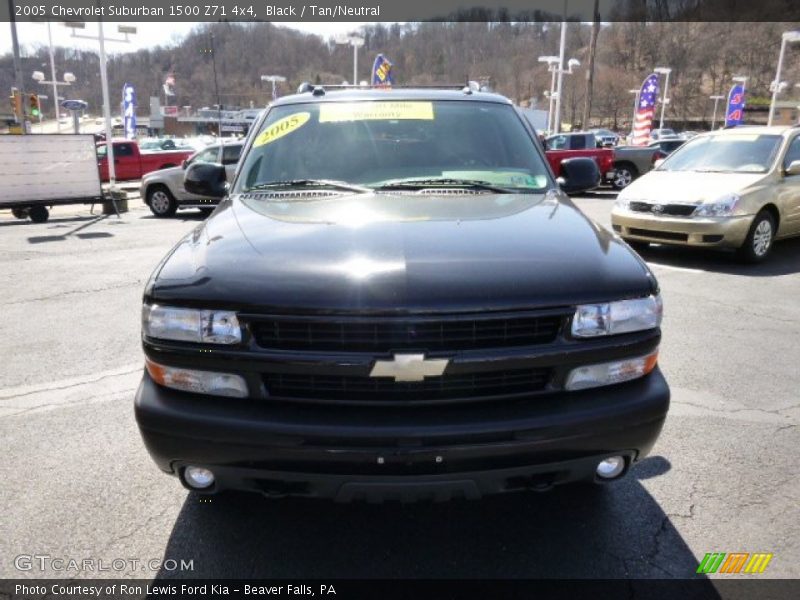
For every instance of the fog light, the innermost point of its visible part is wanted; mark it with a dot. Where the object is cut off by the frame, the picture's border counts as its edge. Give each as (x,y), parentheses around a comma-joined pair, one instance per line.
(198,477)
(611,467)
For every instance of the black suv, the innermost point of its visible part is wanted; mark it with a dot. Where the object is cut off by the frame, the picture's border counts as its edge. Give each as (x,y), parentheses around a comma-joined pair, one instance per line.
(395,299)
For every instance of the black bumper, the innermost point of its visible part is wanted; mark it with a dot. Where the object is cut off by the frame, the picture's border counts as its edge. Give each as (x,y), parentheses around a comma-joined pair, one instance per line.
(437,452)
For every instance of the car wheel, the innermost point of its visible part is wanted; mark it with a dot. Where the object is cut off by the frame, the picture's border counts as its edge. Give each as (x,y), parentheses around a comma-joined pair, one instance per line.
(161,202)
(637,245)
(38,214)
(20,213)
(758,243)
(624,175)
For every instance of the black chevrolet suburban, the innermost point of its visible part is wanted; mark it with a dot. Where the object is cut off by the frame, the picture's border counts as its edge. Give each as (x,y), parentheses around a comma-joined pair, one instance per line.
(395,299)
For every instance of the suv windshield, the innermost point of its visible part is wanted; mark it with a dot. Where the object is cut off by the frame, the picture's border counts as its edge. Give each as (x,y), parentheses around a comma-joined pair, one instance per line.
(736,153)
(383,143)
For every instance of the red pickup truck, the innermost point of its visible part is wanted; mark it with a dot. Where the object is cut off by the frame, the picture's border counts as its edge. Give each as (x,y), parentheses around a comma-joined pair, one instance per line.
(131,163)
(581,144)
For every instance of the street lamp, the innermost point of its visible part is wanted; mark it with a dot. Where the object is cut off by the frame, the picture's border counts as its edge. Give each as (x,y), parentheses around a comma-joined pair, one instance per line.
(664,98)
(356,42)
(716,100)
(788,37)
(552,66)
(274,79)
(125,30)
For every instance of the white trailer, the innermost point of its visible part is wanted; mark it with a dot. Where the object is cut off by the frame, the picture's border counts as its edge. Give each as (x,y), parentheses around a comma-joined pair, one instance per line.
(44,170)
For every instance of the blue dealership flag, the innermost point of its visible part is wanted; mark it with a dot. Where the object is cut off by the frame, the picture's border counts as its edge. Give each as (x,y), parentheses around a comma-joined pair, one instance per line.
(734,115)
(382,71)
(129,110)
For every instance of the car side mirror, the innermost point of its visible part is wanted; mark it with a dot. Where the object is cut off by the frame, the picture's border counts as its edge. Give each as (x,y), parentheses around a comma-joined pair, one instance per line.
(793,168)
(206,179)
(579,175)
(658,162)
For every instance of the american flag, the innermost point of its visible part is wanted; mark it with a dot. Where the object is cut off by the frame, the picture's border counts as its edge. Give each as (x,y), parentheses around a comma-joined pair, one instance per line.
(645,110)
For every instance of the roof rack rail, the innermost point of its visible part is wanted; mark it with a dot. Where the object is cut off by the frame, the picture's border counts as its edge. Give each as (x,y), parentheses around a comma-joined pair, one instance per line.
(467,88)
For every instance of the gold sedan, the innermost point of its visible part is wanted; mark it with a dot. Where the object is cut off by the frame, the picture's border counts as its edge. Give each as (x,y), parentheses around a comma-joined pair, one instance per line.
(736,188)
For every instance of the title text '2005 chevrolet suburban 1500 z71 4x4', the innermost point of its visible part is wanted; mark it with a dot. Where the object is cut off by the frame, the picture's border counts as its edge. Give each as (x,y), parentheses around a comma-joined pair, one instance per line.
(396,300)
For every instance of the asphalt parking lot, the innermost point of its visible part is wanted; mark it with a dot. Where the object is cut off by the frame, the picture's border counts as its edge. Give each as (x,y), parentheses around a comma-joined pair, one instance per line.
(77,482)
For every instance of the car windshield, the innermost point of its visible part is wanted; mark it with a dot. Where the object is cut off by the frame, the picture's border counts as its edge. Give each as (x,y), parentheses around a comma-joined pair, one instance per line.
(371,144)
(739,153)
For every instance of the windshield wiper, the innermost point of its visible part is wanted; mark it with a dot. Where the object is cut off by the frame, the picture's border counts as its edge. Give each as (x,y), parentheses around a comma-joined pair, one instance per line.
(443,182)
(309,183)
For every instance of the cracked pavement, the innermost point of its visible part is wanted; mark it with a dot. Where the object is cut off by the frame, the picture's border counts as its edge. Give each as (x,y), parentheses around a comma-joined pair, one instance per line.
(77,482)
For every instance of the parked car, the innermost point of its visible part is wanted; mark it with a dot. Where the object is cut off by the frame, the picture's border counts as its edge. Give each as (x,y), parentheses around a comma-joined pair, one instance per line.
(563,146)
(735,188)
(605,137)
(395,300)
(660,134)
(159,144)
(631,162)
(131,163)
(163,190)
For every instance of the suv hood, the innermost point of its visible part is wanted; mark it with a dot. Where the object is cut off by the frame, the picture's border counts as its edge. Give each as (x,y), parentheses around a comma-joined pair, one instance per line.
(398,253)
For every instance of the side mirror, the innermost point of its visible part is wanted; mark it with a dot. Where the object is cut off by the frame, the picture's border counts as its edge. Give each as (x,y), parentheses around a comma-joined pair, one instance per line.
(658,162)
(793,168)
(205,179)
(579,175)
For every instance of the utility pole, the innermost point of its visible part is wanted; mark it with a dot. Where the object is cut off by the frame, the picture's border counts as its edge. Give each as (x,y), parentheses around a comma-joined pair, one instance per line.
(587,104)
(17,66)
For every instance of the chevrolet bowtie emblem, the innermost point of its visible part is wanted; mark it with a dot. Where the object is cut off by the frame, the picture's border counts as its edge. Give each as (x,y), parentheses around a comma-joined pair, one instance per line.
(409,367)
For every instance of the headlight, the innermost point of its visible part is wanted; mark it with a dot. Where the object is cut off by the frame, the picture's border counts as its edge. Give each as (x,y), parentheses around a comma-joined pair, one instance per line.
(622,203)
(198,382)
(722,207)
(624,316)
(611,372)
(190,325)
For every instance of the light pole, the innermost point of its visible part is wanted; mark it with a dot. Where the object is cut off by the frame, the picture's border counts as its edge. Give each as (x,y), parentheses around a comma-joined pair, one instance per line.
(552,66)
(356,42)
(635,110)
(788,37)
(125,30)
(274,79)
(69,79)
(716,100)
(664,98)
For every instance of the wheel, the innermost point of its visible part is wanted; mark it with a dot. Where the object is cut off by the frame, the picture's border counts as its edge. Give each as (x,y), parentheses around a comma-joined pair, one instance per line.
(637,245)
(161,202)
(624,174)
(20,213)
(758,243)
(38,214)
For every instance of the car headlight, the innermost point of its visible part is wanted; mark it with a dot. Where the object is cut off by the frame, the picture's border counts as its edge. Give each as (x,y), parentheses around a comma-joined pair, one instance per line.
(623,316)
(722,207)
(191,325)
(609,373)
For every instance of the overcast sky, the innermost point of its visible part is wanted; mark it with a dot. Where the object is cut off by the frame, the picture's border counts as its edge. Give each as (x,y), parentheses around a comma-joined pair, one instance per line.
(32,34)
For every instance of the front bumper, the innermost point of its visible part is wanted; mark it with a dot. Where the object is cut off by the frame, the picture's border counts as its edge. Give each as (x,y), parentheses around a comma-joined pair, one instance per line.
(609,176)
(720,232)
(437,452)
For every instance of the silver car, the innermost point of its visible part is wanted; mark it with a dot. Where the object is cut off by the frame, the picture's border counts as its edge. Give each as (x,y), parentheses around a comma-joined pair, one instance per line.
(163,190)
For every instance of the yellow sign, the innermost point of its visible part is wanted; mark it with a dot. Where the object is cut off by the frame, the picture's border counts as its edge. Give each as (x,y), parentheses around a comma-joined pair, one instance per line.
(282,127)
(334,112)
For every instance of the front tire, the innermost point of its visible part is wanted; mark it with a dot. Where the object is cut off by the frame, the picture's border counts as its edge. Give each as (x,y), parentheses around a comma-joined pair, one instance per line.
(624,174)
(758,243)
(39,214)
(161,202)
